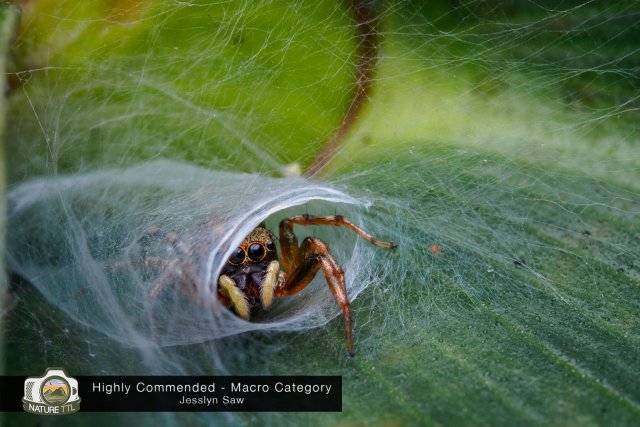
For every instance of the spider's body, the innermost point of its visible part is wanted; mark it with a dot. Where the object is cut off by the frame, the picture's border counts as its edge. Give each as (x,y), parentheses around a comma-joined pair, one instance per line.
(247,268)
(248,279)
(252,277)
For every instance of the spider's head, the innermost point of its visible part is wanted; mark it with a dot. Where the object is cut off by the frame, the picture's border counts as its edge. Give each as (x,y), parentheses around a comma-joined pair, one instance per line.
(257,249)
(249,264)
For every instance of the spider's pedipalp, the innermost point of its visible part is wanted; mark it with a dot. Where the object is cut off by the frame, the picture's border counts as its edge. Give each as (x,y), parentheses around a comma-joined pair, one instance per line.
(268,287)
(238,299)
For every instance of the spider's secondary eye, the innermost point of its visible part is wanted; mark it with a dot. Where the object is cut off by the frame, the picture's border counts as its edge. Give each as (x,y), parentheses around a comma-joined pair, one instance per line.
(237,256)
(256,252)
(270,246)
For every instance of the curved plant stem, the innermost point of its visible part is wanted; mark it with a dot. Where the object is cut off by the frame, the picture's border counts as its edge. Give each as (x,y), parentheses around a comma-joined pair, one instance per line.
(368,49)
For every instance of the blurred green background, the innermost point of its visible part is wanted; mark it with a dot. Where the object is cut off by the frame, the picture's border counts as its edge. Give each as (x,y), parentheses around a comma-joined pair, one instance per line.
(504,133)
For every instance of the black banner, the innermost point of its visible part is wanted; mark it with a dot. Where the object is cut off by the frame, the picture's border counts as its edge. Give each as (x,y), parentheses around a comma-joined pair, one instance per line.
(190,394)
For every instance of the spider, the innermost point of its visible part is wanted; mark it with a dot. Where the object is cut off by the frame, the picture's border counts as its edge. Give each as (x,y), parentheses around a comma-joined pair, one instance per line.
(251,277)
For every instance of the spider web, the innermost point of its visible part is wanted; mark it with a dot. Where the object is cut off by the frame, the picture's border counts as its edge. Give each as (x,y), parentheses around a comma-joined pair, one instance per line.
(498,147)
(108,277)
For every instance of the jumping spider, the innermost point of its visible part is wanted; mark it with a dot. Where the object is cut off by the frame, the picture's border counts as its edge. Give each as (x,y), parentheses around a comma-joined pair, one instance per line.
(252,277)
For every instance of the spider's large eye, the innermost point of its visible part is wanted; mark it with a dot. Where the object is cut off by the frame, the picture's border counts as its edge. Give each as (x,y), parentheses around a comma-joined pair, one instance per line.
(237,256)
(270,246)
(256,252)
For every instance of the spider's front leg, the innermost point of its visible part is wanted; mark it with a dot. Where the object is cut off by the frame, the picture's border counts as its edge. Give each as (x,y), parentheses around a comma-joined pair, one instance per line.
(301,263)
(312,255)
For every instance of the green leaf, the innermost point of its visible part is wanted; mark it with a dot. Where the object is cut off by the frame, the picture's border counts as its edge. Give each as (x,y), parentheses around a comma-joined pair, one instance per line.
(499,150)
(246,86)
(8,24)
(8,18)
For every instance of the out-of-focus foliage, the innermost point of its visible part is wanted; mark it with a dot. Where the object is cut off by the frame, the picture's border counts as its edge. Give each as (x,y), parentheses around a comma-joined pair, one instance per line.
(245,85)
(499,149)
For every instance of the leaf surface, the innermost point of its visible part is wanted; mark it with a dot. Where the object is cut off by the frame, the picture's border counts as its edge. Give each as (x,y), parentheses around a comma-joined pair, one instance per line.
(500,156)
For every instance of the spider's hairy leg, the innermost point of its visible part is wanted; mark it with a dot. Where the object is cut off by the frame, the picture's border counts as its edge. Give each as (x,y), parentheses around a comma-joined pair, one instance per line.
(168,269)
(126,265)
(289,250)
(269,284)
(286,227)
(172,238)
(312,255)
(229,289)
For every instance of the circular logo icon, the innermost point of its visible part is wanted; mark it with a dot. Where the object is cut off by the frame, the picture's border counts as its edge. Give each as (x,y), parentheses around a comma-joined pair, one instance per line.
(55,391)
